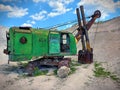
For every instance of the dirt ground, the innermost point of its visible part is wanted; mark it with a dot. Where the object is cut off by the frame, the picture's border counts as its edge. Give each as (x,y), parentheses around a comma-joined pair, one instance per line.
(106,44)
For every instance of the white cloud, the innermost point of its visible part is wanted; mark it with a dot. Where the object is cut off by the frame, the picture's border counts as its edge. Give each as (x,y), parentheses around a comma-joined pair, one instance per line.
(56,13)
(29,23)
(18,12)
(5,8)
(39,16)
(58,7)
(32,22)
(13,11)
(26,25)
(64,1)
(52,14)
(37,1)
(105,6)
(67,1)
(104,15)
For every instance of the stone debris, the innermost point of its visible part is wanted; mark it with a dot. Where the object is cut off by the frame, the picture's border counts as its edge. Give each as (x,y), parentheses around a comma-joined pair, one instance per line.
(63,72)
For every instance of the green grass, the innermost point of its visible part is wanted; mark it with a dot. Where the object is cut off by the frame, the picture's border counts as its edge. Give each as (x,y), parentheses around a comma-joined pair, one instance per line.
(73,66)
(38,72)
(99,71)
(74,63)
(55,72)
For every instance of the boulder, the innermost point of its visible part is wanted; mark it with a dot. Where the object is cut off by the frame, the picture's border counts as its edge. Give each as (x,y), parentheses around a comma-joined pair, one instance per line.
(63,72)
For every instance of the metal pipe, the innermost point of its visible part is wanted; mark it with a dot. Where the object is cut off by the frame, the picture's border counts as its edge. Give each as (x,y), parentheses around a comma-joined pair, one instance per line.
(80,31)
(83,15)
(85,29)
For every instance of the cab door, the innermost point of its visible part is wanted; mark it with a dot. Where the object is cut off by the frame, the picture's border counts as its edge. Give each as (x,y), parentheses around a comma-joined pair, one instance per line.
(54,42)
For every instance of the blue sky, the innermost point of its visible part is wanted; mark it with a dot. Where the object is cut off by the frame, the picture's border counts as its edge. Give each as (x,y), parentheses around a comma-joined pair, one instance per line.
(46,13)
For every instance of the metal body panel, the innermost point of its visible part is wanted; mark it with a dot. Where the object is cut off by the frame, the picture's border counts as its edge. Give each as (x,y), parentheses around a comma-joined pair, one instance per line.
(40,42)
(19,51)
(22,48)
(34,43)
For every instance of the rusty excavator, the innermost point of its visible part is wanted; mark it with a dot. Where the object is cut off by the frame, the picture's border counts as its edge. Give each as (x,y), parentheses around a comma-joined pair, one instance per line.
(49,47)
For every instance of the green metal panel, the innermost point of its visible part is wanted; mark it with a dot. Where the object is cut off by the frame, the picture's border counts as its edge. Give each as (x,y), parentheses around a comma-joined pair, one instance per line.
(40,42)
(20,48)
(54,42)
(20,57)
(73,49)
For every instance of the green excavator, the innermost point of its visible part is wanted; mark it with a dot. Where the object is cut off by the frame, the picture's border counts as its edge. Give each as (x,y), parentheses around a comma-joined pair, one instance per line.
(49,46)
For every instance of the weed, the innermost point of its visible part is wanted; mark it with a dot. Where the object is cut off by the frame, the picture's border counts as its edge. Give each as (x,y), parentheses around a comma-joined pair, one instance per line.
(114,77)
(55,72)
(101,72)
(73,65)
(73,69)
(38,72)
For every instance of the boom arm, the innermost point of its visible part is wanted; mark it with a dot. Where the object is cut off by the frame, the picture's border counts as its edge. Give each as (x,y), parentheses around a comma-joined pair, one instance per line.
(86,54)
(96,15)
